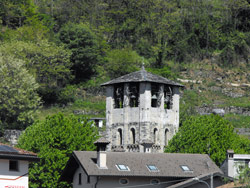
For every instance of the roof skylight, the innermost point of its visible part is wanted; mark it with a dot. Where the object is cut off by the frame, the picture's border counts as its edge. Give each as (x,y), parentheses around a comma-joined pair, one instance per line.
(185,168)
(152,168)
(122,167)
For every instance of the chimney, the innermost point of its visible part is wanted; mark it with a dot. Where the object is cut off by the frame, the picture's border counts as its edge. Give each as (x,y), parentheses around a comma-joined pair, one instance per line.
(230,163)
(147,146)
(101,144)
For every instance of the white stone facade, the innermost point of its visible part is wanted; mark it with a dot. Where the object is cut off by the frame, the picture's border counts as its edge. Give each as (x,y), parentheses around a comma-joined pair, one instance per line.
(127,127)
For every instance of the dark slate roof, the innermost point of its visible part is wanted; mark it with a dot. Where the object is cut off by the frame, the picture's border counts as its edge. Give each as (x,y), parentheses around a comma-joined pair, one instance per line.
(9,152)
(169,164)
(141,76)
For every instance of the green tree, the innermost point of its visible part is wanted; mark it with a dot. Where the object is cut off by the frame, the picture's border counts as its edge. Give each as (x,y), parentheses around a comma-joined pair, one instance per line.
(21,21)
(18,93)
(54,139)
(83,44)
(120,62)
(208,134)
(49,63)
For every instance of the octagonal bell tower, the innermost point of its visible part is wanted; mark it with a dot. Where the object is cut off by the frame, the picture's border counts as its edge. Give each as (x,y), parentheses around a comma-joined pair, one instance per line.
(140,107)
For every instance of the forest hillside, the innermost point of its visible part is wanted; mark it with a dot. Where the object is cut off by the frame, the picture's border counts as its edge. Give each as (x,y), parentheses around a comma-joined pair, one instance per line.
(54,54)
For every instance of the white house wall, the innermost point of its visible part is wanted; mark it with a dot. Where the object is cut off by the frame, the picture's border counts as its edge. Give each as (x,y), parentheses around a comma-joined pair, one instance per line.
(13,179)
(109,182)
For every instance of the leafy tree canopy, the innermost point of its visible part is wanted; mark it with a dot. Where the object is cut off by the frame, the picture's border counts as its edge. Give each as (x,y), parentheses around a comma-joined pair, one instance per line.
(54,139)
(164,71)
(49,63)
(124,61)
(18,96)
(83,44)
(208,134)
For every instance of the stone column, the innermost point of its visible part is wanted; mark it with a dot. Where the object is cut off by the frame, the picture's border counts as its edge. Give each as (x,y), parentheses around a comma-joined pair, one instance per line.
(144,111)
(176,100)
(109,113)
(230,163)
(126,115)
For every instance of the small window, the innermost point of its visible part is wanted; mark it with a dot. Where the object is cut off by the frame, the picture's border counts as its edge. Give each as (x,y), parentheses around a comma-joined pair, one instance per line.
(168,97)
(154,95)
(119,136)
(123,181)
(132,135)
(80,179)
(13,165)
(185,168)
(134,94)
(118,96)
(152,168)
(122,167)
(155,182)
(88,179)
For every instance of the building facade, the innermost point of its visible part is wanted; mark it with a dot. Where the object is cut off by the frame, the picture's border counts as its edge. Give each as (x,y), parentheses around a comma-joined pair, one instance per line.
(140,107)
(14,166)
(234,163)
(102,169)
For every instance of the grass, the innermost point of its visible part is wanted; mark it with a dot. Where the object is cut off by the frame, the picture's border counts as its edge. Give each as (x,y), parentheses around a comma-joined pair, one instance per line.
(243,102)
(238,121)
(92,106)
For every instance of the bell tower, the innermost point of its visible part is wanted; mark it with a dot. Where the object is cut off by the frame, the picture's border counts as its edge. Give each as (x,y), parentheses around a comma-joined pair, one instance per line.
(140,107)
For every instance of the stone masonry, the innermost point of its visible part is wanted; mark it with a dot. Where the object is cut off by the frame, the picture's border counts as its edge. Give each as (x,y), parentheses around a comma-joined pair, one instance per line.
(127,126)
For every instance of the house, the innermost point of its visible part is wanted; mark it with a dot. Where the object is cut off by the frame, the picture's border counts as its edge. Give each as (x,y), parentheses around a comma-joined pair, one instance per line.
(97,121)
(102,169)
(14,164)
(234,163)
(141,106)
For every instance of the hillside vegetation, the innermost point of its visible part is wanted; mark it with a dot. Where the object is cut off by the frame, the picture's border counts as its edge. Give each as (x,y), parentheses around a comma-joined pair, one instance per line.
(70,47)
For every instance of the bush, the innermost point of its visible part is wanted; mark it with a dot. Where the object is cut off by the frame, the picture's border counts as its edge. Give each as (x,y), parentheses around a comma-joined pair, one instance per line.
(208,134)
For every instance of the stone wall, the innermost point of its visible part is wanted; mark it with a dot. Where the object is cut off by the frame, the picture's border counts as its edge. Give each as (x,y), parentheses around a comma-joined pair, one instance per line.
(148,122)
(230,109)
(242,131)
(12,136)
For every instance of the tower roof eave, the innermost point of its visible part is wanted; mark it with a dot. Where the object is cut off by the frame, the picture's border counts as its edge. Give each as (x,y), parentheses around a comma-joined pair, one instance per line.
(141,76)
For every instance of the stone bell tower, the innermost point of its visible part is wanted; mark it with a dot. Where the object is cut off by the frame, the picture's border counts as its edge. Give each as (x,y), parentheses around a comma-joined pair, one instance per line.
(140,107)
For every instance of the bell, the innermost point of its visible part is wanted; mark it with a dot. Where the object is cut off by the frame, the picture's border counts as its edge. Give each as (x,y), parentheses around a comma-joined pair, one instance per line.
(154,97)
(133,97)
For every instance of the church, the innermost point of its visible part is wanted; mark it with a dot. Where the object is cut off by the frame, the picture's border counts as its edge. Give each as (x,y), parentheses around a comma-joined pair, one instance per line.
(142,115)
